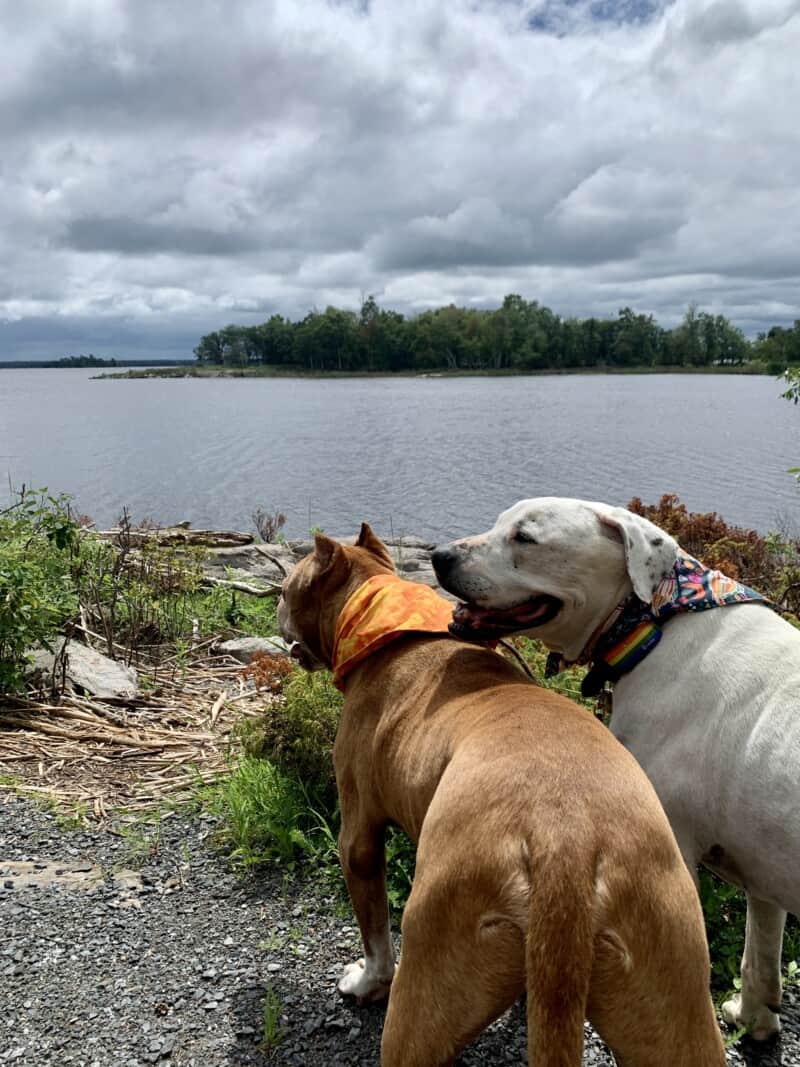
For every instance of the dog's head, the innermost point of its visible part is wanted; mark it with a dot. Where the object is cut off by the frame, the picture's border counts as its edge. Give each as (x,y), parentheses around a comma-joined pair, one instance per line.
(316,590)
(553,568)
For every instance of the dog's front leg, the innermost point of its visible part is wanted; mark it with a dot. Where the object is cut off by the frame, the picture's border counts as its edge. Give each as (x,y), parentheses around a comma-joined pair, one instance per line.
(364,864)
(756,1007)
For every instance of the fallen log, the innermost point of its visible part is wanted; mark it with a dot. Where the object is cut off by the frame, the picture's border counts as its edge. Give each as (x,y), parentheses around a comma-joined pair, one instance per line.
(179,535)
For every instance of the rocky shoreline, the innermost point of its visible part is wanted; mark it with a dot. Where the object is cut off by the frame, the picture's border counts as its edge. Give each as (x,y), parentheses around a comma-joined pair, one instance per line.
(270,562)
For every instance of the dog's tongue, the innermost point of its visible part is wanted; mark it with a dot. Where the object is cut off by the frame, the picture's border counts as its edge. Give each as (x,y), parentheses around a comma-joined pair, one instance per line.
(476,618)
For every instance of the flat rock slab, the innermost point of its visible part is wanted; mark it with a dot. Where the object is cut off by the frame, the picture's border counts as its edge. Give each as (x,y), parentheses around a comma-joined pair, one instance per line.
(86,877)
(89,670)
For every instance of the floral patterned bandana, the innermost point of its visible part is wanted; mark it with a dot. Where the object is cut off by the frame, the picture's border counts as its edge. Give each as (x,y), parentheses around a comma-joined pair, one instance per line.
(635,631)
(384,608)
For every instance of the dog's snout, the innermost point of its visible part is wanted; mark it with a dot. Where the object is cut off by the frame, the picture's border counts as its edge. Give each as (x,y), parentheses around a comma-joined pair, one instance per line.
(444,560)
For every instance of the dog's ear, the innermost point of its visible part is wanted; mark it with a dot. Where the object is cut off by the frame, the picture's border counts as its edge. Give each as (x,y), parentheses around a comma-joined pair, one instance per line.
(650,552)
(368,539)
(326,550)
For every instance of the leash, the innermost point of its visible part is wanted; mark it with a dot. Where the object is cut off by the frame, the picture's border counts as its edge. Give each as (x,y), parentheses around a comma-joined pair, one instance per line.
(520,660)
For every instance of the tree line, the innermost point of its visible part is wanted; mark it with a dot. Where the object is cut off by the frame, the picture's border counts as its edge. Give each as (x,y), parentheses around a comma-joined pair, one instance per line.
(519,335)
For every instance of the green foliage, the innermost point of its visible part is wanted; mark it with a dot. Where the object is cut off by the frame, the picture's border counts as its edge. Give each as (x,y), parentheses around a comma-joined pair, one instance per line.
(218,610)
(270,816)
(725,910)
(298,732)
(134,590)
(520,335)
(272,1032)
(779,347)
(85,361)
(792,378)
(36,595)
(279,803)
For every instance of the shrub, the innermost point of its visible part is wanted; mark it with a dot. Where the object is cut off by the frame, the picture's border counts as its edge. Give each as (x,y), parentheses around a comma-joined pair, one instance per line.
(36,595)
(297,732)
(770,564)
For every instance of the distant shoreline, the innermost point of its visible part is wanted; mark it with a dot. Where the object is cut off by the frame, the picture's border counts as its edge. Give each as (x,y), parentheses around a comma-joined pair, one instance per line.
(278,372)
(97,364)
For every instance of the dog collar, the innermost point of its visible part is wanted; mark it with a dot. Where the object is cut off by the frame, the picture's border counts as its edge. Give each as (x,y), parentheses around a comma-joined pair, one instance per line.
(381,610)
(636,628)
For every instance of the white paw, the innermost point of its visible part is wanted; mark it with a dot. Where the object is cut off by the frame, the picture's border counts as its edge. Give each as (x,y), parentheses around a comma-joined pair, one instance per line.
(358,981)
(759,1021)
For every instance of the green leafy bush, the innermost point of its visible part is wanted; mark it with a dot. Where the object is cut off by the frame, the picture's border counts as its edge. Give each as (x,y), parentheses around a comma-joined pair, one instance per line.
(297,732)
(36,594)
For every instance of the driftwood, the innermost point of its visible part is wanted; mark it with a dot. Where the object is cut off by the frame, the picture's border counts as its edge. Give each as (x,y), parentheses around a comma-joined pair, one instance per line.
(180,535)
(241,587)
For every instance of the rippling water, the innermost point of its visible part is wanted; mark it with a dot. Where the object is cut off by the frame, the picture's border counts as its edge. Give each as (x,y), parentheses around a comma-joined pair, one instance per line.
(436,457)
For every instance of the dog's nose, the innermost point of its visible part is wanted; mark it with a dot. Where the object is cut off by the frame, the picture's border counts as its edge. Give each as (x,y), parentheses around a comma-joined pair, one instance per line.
(443,560)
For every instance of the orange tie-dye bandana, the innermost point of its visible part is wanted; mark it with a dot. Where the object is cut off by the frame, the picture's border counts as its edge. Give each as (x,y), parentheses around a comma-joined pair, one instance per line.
(384,608)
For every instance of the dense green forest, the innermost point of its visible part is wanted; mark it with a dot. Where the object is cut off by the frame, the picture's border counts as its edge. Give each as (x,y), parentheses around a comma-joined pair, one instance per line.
(520,335)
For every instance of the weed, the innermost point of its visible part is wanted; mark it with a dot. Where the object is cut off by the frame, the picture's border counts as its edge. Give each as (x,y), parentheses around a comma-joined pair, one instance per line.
(274,942)
(74,818)
(142,841)
(268,524)
(267,816)
(725,910)
(273,1031)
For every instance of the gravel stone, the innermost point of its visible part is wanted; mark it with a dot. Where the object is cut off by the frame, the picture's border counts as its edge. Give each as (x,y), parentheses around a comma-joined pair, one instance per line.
(90,980)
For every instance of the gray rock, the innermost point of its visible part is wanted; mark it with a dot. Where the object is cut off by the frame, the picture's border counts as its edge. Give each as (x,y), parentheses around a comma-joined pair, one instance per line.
(88,670)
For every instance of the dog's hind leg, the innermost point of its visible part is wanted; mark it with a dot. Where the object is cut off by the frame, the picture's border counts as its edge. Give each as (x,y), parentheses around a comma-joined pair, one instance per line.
(649,996)
(757,1005)
(459,970)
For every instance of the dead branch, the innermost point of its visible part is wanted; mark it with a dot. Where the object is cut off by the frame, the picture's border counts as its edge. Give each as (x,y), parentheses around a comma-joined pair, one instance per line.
(241,587)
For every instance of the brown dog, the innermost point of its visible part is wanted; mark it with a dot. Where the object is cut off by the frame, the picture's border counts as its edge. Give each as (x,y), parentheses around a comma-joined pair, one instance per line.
(544,863)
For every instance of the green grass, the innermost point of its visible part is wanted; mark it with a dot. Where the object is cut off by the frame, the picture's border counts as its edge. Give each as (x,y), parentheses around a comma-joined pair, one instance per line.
(219,610)
(272,1032)
(269,816)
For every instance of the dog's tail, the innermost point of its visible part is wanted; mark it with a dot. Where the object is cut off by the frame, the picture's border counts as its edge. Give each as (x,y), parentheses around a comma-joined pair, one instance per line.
(559,955)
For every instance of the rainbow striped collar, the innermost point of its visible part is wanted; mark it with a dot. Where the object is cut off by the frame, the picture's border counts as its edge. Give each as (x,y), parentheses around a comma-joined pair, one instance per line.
(635,628)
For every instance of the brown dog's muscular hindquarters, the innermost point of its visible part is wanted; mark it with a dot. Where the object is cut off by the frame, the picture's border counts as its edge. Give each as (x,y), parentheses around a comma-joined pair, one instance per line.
(526,873)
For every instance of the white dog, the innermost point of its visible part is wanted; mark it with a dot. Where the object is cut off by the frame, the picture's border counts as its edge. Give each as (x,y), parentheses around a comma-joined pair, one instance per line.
(711,709)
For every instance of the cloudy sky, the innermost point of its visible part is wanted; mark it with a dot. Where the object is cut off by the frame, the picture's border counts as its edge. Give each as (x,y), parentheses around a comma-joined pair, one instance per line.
(168,168)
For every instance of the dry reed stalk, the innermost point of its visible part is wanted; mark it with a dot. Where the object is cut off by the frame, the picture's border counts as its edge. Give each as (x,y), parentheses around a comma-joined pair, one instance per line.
(131,753)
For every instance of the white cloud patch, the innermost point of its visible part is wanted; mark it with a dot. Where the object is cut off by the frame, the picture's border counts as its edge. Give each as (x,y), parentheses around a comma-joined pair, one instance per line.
(164,175)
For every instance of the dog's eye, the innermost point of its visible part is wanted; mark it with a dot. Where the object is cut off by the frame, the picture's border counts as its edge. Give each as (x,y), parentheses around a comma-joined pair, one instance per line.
(524,537)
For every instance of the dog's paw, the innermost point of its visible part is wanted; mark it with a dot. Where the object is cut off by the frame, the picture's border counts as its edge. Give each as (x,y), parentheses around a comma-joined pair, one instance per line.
(760,1022)
(357,981)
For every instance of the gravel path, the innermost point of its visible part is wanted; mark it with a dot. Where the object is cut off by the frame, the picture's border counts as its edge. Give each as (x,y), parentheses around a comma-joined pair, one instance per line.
(173,965)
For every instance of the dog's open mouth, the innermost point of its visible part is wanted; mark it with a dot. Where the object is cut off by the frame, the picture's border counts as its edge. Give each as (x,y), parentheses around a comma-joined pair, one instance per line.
(303,657)
(471,623)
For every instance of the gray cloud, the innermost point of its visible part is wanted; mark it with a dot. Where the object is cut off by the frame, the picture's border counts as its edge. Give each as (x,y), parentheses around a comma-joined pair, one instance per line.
(165,175)
(138,237)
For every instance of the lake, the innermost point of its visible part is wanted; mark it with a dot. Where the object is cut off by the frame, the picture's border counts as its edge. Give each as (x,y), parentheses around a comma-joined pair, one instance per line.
(437,457)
